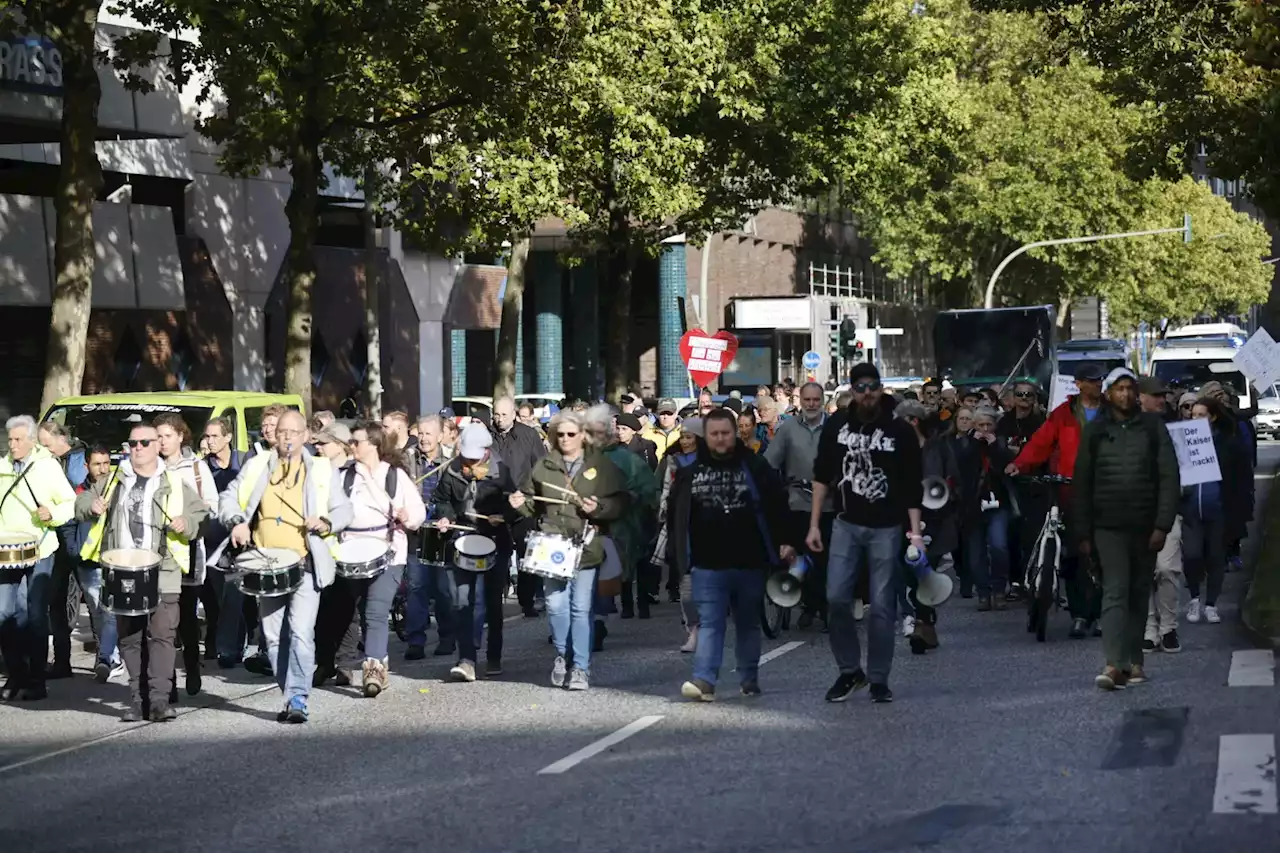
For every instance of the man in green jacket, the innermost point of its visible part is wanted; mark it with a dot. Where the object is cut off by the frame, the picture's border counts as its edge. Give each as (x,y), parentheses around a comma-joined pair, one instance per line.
(1127,489)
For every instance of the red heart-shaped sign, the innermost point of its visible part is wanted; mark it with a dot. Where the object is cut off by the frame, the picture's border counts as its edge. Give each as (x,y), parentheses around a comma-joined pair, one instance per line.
(707,356)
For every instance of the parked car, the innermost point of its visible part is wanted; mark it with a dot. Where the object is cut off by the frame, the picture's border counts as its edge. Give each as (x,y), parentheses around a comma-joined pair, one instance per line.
(1268,418)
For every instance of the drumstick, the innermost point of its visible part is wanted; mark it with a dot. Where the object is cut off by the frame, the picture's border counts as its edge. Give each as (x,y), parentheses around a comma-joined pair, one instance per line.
(562,489)
(461,527)
(439,467)
(550,500)
(482,516)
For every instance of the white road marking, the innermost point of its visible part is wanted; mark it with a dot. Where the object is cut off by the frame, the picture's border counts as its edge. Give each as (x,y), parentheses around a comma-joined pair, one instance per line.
(571,761)
(1246,775)
(76,747)
(780,651)
(1264,476)
(1252,668)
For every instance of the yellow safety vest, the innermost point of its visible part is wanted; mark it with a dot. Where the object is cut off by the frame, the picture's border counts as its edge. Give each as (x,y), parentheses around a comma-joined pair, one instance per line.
(179,547)
(320,474)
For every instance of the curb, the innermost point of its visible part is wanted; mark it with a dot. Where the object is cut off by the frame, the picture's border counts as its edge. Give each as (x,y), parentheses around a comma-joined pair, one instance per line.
(1260,610)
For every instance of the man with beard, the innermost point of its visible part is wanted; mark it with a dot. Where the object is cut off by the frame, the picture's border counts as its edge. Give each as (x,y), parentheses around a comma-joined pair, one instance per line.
(1126,489)
(728,523)
(1017,427)
(792,453)
(874,461)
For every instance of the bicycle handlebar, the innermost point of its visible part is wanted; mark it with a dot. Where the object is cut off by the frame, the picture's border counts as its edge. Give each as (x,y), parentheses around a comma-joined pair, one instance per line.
(1047,479)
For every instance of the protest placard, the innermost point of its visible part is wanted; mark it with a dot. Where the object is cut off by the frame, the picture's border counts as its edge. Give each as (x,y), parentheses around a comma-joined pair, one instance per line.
(1259,359)
(1197,457)
(1063,387)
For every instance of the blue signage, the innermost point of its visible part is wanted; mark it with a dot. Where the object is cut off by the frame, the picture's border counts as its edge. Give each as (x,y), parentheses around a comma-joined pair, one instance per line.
(811,360)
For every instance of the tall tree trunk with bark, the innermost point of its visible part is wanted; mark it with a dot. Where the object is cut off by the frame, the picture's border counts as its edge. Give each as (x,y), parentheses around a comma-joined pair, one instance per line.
(622,262)
(301,210)
(372,326)
(504,383)
(74,23)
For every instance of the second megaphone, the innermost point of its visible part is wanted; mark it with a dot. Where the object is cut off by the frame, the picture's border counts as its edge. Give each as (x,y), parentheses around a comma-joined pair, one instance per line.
(783,587)
(932,588)
(937,493)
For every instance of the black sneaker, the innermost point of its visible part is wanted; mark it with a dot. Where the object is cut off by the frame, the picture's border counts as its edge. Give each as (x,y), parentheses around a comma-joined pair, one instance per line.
(415,653)
(751,688)
(258,664)
(59,669)
(1097,628)
(1079,629)
(673,595)
(1169,642)
(445,649)
(628,610)
(881,694)
(1148,644)
(845,685)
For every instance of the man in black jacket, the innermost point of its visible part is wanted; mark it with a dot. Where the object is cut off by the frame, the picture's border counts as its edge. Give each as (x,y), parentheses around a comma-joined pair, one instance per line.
(473,492)
(874,461)
(728,525)
(628,428)
(519,446)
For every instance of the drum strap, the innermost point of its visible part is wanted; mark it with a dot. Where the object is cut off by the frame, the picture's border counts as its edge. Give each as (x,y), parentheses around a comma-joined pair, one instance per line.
(21,477)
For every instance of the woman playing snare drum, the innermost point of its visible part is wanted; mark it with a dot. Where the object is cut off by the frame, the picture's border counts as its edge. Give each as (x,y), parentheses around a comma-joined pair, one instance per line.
(578,488)
(386,503)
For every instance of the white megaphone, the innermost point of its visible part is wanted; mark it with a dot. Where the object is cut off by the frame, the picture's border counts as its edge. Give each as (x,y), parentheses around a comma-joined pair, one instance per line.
(937,493)
(783,587)
(932,588)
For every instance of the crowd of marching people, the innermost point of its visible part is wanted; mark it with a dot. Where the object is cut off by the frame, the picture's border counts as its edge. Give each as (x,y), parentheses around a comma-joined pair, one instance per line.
(297,559)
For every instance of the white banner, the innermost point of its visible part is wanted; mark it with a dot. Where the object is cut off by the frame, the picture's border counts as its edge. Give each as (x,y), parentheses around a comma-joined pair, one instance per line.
(1197,457)
(1063,387)
(1259,359)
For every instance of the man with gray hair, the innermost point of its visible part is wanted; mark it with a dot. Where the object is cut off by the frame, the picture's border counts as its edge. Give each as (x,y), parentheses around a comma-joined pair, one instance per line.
(35,500)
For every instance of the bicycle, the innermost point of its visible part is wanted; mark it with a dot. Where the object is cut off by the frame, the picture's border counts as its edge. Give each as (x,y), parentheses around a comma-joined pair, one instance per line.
(1044,570)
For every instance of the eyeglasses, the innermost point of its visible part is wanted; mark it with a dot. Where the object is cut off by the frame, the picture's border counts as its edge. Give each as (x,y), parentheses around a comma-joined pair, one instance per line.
(140,442)
(864,387)
(560,434)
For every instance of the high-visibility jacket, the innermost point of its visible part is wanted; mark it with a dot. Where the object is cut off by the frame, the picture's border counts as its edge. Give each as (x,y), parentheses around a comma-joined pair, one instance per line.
(321,476)
(177,546)
(43,484)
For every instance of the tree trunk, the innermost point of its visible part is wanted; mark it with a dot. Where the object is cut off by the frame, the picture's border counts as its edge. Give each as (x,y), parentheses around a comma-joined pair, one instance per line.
(301,210)
(79,181)
(373,371)
(622,262)
(504,383)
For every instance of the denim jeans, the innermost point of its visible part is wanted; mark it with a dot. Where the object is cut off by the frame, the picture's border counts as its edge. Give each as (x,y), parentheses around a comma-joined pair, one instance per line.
(569,612)
(24,632)
(292,654)
(855,549)
(104,621)
(374,596)
(716,592)
(987,543)
(428,581)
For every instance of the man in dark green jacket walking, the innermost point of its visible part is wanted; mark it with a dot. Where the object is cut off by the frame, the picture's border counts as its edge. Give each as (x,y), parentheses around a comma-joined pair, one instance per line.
(1127,488)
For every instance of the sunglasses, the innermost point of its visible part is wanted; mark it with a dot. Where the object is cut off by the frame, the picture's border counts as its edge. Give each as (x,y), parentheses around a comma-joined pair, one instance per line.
(567,434)
(1023,395)
(1187,406)
(140,442)
(864,387)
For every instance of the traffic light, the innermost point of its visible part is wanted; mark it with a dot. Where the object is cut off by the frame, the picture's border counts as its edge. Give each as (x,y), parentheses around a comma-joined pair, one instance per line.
(848,336)
(857,353)
(835,347)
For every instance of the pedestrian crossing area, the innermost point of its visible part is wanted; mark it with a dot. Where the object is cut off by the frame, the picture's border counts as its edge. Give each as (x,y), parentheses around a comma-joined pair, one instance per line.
(1246,779)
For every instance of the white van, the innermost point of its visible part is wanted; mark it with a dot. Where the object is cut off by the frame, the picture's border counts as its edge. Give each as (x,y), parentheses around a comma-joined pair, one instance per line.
(1192,360)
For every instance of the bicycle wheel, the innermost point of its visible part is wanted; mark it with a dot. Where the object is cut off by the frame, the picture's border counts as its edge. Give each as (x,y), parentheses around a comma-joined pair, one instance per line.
(74,596)
(1044,601)
(773,619)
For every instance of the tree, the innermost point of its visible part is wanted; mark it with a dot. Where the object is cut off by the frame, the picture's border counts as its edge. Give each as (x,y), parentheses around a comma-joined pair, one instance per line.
(71,25)
(299,83)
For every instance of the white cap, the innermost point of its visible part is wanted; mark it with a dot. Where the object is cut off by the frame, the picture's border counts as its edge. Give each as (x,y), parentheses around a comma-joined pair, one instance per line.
(947,386)
(1115,376)
(474,441)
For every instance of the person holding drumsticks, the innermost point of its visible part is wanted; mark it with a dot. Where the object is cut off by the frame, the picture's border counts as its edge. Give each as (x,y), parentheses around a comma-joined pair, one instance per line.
(288,499)
(149,508)
(569,492)
(385,503)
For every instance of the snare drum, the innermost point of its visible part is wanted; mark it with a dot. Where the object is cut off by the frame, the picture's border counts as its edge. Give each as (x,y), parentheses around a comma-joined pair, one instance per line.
(434,547)
(474,553)
(18,552)
(267,572)
(130,581)
(550,555)
(363,558)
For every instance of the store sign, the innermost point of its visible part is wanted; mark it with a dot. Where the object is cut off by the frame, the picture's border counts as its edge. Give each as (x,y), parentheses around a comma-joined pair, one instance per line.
(30,64)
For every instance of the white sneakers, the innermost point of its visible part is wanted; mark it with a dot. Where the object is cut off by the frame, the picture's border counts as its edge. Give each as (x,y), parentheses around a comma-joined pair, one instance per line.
(908,625)
(1208,612)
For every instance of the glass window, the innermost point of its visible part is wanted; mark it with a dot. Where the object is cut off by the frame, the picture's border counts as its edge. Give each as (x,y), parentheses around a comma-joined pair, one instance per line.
(109,423)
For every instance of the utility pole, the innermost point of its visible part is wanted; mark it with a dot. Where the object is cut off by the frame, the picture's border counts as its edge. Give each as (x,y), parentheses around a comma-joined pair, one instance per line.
(1184,230)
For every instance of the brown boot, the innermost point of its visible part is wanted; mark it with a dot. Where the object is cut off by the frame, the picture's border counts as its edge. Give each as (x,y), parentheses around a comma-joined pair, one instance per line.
(1137,675)
(923,638)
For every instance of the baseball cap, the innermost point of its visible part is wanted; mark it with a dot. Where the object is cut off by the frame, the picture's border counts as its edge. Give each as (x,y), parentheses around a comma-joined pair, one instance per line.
(474,441)
(335,432)
(863,371)
(1152,386)
(667,406)
(1116,375)
(1088,371)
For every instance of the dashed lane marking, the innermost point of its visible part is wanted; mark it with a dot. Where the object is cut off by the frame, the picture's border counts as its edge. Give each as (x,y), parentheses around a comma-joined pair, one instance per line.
(780,651)
(1252,668)
(570,761)
(1246,775)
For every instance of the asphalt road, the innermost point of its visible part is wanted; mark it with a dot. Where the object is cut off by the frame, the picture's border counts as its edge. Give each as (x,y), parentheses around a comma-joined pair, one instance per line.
(994,742)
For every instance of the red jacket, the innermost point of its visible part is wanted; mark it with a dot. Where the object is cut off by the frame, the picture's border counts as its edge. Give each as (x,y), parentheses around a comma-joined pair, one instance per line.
(1057,442)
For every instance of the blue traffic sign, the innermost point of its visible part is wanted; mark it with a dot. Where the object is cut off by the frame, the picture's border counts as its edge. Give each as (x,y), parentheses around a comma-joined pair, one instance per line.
(811,360)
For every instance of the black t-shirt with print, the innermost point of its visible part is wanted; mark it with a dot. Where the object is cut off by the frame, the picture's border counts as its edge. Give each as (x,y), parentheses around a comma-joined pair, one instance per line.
(724,531)
(875,466)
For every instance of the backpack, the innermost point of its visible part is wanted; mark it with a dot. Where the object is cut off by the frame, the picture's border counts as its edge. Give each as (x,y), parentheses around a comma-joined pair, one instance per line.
(349,480)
